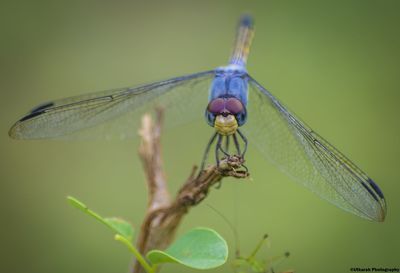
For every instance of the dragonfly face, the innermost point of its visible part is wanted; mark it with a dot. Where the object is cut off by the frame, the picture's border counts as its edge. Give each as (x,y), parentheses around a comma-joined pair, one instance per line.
(276,132)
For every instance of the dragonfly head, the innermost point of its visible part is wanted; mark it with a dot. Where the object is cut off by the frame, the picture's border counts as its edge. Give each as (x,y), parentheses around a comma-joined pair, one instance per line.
(226,114)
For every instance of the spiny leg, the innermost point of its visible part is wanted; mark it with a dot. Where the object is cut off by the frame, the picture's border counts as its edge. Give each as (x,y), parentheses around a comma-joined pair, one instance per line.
(210,142)
(237,146)
(218,148)
(226,153)
(245,142)
(242,136)
(227,140)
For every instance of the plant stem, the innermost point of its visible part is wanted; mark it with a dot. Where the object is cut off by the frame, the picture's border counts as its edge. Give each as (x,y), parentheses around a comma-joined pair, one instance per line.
(253,254)
(139,257)
(163,215)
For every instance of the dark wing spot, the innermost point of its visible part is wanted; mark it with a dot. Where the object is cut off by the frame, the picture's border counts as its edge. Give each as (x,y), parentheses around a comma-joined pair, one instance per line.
(32,115)
(37,111)
(42,107)
(376,188)
(370,192)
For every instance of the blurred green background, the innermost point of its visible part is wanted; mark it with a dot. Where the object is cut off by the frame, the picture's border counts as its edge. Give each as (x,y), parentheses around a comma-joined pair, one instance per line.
(336,64)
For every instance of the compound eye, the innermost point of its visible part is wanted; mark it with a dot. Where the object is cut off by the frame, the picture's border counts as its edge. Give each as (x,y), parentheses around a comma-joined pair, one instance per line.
(216,106)
(234,106)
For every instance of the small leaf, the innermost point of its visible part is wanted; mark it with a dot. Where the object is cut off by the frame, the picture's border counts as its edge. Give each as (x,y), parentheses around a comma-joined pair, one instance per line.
(200,248)
(118,225)
(76,203)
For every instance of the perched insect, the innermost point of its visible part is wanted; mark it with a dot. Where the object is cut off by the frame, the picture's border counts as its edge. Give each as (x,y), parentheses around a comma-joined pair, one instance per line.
(237,106)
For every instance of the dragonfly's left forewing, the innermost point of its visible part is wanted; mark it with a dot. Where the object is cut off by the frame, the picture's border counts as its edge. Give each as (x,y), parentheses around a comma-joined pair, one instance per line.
(309,159)
(115,112)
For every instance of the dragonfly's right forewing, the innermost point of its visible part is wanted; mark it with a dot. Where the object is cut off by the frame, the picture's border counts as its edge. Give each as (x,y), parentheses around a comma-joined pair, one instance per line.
(115,112)
(309,159)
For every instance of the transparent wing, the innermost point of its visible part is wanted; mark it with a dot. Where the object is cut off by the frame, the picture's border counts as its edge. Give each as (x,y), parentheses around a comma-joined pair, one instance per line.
(309,159)
(116,113)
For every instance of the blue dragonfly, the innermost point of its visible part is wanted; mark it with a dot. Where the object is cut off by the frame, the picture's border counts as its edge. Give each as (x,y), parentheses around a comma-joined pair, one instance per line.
(237,107)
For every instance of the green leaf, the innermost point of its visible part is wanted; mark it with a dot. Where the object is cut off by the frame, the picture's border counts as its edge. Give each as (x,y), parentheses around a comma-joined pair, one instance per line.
(200,248)
(76,203)
(117,225)
(120,226)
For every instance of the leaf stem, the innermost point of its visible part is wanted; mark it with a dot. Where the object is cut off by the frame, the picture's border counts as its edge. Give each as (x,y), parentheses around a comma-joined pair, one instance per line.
(139,257)
(253,254)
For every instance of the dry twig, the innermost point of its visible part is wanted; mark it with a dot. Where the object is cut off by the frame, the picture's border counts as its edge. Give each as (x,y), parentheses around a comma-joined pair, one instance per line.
(164,215)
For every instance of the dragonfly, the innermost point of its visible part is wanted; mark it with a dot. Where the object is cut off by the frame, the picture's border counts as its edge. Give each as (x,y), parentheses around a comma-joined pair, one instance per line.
(237,107)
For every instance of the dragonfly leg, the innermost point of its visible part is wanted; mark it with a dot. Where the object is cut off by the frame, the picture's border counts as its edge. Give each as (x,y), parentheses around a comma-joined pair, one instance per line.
(222,149)
(245,168)
(217,149)
(245,142)
(227,140)
(237,146)
(209,144)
